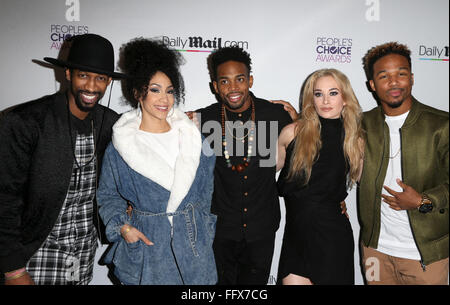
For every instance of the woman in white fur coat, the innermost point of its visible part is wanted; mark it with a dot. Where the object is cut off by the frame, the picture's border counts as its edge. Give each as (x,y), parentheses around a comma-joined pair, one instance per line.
(156,162)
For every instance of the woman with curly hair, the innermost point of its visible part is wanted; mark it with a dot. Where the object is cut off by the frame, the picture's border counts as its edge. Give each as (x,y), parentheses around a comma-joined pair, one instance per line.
(322,155)
(156,164)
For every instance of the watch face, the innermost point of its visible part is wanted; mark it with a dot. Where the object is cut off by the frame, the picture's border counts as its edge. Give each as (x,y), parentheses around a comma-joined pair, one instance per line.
(425,208)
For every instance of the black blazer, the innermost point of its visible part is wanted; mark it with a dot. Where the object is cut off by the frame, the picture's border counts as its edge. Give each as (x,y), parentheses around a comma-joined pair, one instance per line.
(36,162)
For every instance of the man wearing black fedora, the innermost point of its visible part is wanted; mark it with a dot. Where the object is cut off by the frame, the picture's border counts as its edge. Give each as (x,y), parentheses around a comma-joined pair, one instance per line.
(51,155)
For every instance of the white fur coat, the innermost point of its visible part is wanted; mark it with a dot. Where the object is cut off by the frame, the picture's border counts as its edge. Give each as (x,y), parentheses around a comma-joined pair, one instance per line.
(141,157)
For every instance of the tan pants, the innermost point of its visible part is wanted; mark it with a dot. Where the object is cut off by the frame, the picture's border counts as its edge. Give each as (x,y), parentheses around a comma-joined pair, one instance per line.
(383,269)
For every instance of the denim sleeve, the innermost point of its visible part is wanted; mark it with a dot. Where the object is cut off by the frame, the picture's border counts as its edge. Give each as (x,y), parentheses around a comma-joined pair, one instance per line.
(208,188)
(112,206)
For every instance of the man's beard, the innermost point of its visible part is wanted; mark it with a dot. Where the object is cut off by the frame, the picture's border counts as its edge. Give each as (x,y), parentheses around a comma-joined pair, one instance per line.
(394,105)
(84,106)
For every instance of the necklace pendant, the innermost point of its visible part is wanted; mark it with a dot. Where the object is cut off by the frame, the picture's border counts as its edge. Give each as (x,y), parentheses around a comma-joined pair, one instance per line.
(250,135)
(240,168)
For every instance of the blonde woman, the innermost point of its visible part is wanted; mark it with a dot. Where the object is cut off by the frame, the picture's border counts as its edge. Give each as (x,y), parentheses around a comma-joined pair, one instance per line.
(321,153)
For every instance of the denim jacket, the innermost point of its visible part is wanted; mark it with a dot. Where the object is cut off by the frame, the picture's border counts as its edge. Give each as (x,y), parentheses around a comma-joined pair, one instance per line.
(182,251)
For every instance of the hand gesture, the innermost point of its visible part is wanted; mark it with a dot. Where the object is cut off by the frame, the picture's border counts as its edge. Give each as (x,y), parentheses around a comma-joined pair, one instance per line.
(288,107)
(190,114)
(409,199)
(344,208)
(193,117)
(24,279)
(132,235)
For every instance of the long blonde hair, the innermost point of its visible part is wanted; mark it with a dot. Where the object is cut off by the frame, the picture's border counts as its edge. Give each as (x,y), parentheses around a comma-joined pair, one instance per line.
(307,132)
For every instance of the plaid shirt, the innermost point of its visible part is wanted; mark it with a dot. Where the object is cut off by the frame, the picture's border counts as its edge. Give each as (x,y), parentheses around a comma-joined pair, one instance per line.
(67,255)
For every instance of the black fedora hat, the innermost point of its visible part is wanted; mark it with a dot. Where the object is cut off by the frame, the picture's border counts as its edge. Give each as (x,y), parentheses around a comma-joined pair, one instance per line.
(91,53)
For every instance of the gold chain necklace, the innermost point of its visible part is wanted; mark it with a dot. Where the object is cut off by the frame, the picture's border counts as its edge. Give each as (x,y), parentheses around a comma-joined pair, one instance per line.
(396,154)
(390,150)
(231,131)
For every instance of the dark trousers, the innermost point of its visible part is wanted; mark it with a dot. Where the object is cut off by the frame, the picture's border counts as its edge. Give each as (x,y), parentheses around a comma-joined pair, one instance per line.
(242,262)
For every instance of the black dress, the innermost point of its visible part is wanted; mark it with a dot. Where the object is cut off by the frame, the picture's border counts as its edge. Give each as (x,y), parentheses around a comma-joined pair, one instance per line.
(318,240)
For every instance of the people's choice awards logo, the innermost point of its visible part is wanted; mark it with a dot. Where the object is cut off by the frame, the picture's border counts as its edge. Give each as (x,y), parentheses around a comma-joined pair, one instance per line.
(60,32)
(335,50)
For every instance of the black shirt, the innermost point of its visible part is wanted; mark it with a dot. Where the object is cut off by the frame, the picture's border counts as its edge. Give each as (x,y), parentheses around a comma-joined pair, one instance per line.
(246,203)
(328,182)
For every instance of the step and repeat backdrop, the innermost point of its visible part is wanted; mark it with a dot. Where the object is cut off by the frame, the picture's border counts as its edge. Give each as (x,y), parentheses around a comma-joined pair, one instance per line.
(286,39)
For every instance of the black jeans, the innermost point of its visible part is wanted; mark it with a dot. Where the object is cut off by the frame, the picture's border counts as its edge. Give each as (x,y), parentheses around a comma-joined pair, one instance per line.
(242,262)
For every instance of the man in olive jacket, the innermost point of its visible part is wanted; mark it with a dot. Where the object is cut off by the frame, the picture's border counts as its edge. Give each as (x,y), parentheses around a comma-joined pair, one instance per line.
(403,195)
(51,154)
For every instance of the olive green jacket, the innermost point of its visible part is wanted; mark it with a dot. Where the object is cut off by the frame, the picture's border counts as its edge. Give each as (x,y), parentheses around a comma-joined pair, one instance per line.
(424,149)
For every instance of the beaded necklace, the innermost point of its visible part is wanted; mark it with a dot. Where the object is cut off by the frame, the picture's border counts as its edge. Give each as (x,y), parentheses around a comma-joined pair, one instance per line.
(250,135)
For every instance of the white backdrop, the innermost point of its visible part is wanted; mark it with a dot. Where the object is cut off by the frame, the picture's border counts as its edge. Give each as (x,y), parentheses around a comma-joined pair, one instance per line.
(286,39)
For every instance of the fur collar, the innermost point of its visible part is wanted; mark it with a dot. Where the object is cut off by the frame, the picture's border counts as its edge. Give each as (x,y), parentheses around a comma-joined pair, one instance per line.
(140,156)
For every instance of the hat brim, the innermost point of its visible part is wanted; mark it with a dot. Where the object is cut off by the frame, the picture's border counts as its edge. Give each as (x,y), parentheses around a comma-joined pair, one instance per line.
(65,64)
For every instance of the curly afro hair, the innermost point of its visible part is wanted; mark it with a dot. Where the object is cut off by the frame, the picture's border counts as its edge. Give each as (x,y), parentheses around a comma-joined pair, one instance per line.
(140,59)
(223,55)
(377,52)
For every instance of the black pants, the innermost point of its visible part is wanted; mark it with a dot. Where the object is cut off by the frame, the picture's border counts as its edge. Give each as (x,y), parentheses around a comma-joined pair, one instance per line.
(242,262)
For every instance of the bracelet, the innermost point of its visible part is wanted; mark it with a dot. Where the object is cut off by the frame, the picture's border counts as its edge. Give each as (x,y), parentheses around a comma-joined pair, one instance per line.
(126,230)
(15,274)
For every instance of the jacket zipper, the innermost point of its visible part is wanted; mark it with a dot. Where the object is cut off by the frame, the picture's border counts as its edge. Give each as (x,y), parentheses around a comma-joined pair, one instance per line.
(409,218)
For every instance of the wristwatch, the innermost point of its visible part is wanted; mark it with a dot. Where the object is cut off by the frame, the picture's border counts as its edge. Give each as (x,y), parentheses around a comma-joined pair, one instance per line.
(425,204)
